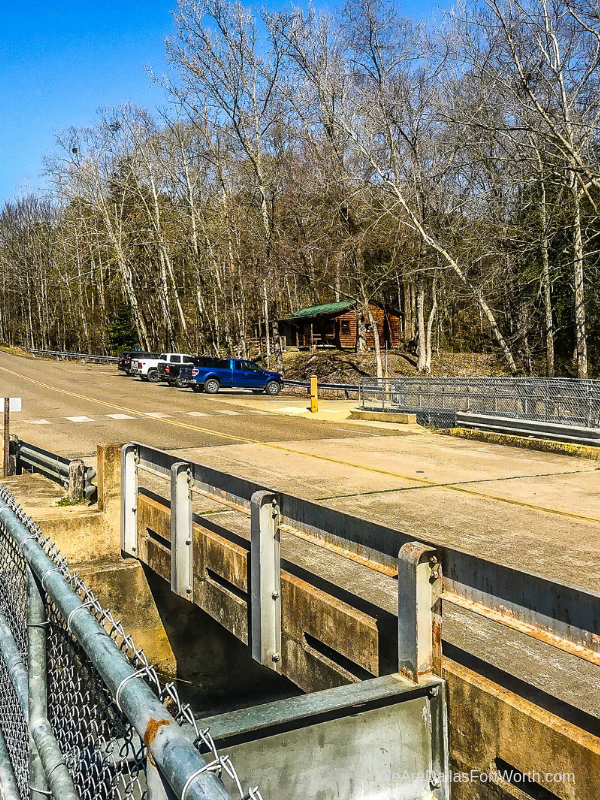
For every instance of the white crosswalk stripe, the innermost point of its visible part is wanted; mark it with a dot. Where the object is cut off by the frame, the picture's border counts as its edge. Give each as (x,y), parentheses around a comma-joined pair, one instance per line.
(154,414)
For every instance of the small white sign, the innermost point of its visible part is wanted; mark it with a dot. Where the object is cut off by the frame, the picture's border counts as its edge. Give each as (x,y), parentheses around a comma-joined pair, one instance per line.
(14,404)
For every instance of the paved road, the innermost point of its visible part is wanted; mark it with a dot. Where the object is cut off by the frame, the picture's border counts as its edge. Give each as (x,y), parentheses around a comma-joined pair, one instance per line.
(69,407)
(537,510)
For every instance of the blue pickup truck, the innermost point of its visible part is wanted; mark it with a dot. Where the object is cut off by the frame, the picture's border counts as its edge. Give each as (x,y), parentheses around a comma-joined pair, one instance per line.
(230,373)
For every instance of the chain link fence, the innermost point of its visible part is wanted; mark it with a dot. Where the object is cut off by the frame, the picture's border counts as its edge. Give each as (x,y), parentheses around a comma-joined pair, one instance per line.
(101,747)
(435,401)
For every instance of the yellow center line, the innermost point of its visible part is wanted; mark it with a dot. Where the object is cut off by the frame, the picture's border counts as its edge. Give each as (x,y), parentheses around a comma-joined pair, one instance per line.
(555,512)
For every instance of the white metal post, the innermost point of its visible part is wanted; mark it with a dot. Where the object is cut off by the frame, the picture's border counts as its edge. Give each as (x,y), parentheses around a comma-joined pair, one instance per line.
(419,616)
(182,563)
(265,580)
(129,492)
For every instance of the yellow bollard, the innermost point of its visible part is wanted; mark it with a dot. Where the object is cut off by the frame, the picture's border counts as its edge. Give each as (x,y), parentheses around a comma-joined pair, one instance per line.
(314,396)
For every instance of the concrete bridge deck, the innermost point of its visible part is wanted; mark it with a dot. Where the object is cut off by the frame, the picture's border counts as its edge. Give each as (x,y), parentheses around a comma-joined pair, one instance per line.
(533,511)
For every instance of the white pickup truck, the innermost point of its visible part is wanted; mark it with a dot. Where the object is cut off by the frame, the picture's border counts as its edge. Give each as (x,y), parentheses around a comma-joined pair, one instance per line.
(147,368)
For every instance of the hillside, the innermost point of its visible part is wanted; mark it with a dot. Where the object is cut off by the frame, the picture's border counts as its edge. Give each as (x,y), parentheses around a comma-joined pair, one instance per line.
(347,367)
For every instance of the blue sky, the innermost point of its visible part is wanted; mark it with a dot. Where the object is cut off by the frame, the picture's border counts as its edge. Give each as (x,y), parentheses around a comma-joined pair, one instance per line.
(61,60)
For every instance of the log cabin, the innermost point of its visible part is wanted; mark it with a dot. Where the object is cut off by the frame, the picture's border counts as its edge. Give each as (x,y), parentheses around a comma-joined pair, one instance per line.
(336,325)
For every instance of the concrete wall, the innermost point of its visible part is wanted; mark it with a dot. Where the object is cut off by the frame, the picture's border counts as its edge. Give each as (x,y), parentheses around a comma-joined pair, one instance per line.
(491,727)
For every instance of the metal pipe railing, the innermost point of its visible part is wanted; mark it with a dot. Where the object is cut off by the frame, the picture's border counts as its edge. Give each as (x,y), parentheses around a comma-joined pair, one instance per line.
(71,473)
(525,600)
(176,757)
(55,770)
(64,354)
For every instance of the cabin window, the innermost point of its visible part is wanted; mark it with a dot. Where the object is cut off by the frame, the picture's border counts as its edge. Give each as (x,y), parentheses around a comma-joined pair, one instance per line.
(346,327)
(330,328)
(239,365)
(176,359)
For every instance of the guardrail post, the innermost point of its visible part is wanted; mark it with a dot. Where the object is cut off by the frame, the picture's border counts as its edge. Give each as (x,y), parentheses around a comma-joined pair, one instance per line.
(37,698)
(13,456)
(182,562)
(76,480)
(419,615)
(265,580)
(129,493)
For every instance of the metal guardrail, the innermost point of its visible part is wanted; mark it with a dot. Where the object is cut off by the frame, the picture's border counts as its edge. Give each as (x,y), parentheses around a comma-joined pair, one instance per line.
(568,401)
(72,678)
(339,387)
(83,356)
(269,509)
(529,427)
(562,615)
(71,473)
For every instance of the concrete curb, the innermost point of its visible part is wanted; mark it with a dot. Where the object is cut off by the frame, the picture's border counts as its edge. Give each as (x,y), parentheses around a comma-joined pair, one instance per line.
(525,442)
(385,416)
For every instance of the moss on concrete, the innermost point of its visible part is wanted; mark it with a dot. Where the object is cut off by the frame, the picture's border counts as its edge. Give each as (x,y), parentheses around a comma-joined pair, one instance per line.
(526,442)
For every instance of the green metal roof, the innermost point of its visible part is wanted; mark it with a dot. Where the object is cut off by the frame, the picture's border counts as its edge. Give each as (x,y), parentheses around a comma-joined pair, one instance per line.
(321,311)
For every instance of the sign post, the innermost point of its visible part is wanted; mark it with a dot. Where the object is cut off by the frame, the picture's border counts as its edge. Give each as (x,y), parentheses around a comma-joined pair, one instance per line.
(10,404)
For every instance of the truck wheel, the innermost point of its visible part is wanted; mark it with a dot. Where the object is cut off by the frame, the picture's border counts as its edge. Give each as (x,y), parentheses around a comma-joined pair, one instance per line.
(180,383)
(153,376)
(197,387)
(273,387)
(211,386)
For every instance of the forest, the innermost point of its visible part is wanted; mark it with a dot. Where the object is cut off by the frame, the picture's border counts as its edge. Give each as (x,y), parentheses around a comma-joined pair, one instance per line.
(450,171)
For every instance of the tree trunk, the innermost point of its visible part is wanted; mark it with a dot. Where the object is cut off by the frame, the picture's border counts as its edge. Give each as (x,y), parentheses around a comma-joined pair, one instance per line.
(409,328)
(580,333)
(266,309)
(376,341)
(361,333)
(421,342)
(277,345)
(430,321)
(546,289)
